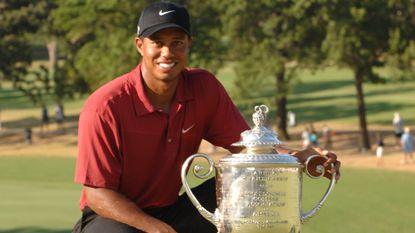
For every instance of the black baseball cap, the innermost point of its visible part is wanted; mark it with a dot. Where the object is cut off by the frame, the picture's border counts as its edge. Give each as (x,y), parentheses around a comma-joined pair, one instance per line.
(163,15)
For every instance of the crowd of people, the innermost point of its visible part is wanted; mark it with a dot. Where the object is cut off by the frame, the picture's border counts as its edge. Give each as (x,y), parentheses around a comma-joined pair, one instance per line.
(44,122)
(310,137)
(59,117)
(403,139)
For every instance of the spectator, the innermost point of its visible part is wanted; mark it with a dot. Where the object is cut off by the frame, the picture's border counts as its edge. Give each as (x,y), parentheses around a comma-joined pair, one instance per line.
(313,138)
(398,125)
(305,136)
(28,136)
(44,124)
(59,115)
(291,119)
(379,149)
(407,143)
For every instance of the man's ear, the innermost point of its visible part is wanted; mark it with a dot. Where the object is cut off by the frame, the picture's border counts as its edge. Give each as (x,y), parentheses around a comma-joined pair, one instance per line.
(139,45)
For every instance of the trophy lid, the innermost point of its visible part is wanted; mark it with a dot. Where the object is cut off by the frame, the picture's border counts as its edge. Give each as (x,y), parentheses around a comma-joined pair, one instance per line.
(259,136)
(259,143)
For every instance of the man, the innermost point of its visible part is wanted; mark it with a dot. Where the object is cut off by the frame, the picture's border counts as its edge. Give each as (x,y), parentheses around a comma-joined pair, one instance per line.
(59,115)
(398,127)
(407,144)
(136,131)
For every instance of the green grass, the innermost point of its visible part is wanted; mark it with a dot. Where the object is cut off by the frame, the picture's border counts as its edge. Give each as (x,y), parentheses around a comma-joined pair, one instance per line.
(38,196)
(325,96)
(370,201)
(329,96)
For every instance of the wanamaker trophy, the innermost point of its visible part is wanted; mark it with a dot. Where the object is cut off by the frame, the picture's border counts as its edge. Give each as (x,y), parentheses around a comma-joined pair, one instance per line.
(259,190)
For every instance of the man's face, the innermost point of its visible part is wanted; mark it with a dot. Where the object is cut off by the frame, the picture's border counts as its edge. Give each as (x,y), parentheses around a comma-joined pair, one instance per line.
(164,54)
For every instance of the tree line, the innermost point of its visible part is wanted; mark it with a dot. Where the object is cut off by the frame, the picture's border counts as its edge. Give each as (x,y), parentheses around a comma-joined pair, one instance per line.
(90,42)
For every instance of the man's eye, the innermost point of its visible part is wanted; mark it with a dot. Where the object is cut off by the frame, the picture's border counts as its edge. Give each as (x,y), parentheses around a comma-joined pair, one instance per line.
(178,43)
(157,43)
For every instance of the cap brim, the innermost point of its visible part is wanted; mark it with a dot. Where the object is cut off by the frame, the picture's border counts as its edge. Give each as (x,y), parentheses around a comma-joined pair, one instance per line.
(151,30)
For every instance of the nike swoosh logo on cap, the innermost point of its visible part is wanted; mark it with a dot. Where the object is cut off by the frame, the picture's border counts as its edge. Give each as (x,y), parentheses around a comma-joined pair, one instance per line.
(161,13)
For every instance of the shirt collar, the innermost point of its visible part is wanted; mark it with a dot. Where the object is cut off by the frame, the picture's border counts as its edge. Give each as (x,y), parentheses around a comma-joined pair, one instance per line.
(143,105)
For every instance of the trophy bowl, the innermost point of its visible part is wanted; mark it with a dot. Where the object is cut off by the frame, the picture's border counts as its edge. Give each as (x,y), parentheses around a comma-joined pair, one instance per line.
(258,191)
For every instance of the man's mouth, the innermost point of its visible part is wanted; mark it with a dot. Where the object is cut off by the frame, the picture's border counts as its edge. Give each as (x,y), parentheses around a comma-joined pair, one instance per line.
(167,65)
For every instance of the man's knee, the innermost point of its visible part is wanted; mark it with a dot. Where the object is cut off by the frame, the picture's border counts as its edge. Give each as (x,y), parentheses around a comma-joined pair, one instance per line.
(103,225)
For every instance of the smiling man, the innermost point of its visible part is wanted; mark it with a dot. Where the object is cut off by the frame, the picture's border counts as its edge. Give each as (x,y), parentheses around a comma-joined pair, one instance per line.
(136,131)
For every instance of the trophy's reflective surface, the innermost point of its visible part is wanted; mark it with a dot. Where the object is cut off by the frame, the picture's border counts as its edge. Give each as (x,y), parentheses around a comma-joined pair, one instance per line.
(258,190)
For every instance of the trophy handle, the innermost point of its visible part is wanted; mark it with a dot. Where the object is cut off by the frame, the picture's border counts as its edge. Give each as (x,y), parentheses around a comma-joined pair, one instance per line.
(213,218)
(315,171)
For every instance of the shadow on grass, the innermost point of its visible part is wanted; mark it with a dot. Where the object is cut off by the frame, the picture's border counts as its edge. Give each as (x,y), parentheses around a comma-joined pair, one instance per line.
(35,230)
(325,112)
(15,99)
(322,113)
(311,87)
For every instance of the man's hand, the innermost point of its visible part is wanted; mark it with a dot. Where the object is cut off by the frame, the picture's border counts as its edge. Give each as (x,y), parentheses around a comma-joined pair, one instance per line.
(303,155)
(156,226)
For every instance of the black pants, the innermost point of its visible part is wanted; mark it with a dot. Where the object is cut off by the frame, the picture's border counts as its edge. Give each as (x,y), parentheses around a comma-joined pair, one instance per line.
(182,215)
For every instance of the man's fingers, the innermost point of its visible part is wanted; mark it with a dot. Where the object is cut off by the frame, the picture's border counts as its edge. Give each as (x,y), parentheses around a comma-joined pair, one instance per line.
(318,150)
(328,162)
(331,155)
(326,153)
(337,175)
(331,158)
(335,169)
(332,165)
(337,165)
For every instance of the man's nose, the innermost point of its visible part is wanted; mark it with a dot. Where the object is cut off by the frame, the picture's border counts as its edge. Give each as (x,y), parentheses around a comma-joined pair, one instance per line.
(165,51)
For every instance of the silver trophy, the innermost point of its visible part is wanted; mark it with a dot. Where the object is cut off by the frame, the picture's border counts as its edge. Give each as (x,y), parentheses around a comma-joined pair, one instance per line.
(258,190)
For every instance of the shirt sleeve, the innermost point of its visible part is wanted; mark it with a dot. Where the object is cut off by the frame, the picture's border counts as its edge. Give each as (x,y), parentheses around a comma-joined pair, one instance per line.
(99,161)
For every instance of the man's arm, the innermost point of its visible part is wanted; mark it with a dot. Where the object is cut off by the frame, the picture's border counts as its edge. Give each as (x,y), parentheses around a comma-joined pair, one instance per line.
(113,205)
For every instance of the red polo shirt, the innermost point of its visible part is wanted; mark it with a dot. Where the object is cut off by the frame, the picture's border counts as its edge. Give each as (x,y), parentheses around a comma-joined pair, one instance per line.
(127,145)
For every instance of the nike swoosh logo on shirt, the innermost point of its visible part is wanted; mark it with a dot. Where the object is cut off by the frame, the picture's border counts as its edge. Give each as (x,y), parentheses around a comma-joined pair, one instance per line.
(187,130)
(161,13)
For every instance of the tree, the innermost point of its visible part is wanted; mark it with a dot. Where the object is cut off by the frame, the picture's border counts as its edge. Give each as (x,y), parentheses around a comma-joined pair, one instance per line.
(100,45)
(19,19)
(271,39)
(402,40)
(208,48)
(362,35)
